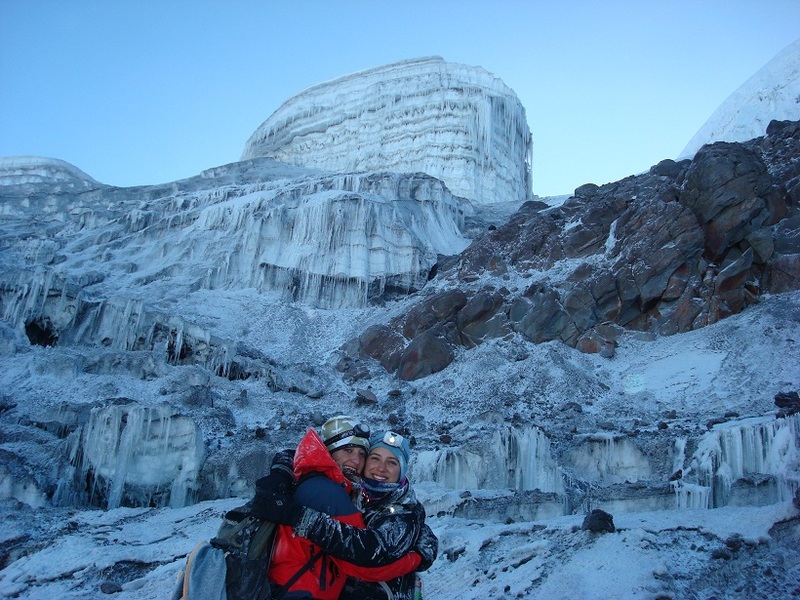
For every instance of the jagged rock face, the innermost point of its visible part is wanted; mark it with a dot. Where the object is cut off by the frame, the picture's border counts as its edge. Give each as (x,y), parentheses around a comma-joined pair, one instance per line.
(454,122)
(678,248)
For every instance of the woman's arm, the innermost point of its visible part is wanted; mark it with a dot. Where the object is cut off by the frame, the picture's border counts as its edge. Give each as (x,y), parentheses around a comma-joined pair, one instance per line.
(398,568)
(388,536)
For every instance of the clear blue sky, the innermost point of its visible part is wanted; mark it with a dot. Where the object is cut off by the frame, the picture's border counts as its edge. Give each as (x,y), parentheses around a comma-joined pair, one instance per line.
(139,92)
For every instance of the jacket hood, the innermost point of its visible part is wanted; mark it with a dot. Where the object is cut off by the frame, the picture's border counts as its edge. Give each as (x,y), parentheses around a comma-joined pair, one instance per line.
(312,456)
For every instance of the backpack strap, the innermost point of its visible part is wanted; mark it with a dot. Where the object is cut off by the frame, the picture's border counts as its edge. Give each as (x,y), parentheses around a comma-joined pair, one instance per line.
(281,590)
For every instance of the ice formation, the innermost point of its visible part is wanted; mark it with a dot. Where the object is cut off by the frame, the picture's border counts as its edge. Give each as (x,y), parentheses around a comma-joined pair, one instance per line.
(759,452)
(134,455)
(739,463)
(120,255)
(608,458)
(518,459)
(454,122)
(772,93)
(19,170)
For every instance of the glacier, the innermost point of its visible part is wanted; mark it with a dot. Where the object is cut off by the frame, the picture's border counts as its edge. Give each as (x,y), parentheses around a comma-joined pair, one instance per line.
(773,92)
(324,240)
(454,122)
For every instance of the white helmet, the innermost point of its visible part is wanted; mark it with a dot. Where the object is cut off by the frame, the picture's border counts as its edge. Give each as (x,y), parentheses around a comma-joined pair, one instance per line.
(344,432)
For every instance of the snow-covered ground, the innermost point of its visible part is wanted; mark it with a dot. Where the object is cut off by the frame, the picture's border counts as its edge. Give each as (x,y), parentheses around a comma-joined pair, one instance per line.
(744,551)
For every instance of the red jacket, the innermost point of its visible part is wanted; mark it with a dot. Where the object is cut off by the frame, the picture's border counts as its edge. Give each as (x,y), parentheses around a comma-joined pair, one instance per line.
(330,494)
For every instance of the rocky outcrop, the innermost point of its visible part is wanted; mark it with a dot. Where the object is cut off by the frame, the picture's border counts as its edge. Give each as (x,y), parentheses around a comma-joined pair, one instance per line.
(599,521)
(674,249)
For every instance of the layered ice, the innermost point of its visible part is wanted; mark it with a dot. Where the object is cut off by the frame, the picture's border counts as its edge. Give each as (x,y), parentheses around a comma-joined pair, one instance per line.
(118,261)
(607,459)
(519,459)
(458,123)
(38,170)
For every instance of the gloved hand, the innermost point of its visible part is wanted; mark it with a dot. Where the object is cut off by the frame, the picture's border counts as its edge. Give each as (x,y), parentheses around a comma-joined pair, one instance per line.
(283,462)
(427,547)
(273,500)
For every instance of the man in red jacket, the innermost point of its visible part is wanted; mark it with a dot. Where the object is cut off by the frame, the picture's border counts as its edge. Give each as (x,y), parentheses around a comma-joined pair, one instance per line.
(323,486)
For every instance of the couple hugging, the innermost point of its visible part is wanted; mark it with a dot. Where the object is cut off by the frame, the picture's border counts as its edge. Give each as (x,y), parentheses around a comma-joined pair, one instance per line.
(350,523)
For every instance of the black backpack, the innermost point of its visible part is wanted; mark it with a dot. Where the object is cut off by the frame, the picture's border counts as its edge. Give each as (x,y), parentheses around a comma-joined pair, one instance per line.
(245,543)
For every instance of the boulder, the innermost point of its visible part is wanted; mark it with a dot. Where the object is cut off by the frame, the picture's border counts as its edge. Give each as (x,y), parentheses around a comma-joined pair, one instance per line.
(481,319)
(788,403)
(540,317)
(599,521)
(437,309)
(427,353)
(383,344)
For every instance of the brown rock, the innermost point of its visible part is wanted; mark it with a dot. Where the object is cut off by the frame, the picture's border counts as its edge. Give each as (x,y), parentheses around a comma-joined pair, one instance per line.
(384,345)
(436,309)
(364,396)
(428,353)
(481,319)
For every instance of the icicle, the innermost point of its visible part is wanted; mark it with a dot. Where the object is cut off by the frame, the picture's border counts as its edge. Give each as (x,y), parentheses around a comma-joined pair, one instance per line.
(135,455)
(754,447)
(521,460)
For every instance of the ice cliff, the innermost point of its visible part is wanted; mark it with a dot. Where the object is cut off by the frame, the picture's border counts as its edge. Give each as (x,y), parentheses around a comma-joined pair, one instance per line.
(454,122)
(324,240)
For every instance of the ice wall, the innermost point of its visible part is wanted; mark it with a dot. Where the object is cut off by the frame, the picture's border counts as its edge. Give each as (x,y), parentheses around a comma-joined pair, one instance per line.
(119,261)
(454,122)
(515,458)
(759,452)
(605,459)
(134,456)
